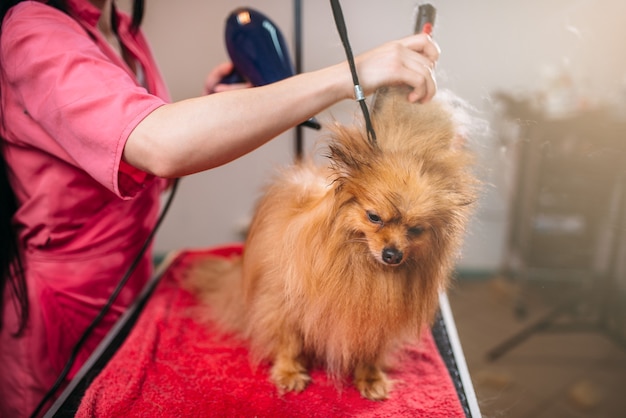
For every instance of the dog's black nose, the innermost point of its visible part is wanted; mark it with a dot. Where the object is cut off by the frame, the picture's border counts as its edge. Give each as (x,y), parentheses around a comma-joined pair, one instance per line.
(392,255)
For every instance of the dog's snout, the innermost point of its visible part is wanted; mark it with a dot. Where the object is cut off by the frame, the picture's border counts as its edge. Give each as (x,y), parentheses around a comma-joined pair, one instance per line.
(392,255)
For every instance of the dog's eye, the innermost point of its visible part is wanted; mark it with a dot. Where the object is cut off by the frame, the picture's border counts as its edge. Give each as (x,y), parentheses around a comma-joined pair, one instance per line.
(374,218)
(416,231)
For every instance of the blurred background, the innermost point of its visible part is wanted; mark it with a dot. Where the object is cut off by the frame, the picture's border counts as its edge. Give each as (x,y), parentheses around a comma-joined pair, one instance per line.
(540,292)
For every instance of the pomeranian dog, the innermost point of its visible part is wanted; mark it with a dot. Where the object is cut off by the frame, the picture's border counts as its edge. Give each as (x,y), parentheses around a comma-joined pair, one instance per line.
(344,262)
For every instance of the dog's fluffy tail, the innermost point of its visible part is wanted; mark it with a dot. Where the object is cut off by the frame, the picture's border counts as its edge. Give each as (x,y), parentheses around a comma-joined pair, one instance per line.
(217,283)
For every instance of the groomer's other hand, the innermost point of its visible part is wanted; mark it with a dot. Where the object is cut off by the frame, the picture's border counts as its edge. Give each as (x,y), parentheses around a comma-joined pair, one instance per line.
(409,61)
(212,82)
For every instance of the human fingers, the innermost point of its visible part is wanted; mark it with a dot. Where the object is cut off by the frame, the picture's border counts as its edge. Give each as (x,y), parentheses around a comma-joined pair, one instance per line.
(418,57)
(423,44)
(214,77)
(420,76)
(234,86)
(397,64)
(425,87)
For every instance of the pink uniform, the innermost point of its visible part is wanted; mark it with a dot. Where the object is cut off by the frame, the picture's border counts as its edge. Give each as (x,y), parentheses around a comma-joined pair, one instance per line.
(68,104)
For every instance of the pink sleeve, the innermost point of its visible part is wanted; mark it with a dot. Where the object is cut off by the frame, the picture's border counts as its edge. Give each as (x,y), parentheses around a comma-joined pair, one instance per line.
(87,104)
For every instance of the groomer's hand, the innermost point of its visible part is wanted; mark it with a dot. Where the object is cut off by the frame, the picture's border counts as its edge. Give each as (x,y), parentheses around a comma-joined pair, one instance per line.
(212,82)
(409,61)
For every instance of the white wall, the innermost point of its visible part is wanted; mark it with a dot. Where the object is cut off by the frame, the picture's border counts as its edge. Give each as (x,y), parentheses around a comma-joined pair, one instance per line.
(488,45)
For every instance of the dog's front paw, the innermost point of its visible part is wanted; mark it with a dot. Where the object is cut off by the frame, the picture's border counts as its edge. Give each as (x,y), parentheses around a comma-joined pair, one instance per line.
(372,382)
(290,377)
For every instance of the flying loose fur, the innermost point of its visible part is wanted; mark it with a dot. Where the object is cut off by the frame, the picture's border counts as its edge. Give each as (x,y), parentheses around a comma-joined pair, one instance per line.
(345,261)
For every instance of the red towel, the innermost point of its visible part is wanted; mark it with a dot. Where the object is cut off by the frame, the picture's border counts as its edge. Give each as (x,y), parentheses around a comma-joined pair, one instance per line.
(172,366)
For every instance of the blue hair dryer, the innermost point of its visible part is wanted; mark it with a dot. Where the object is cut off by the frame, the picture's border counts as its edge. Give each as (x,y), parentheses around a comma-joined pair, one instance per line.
(258,51)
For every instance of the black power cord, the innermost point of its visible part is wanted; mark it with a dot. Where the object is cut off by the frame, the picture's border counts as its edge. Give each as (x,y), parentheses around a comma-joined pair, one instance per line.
(107,306)
(424,23)
(358,91)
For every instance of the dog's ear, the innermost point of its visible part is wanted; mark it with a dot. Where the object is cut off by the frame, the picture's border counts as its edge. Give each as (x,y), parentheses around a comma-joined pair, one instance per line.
(350,151)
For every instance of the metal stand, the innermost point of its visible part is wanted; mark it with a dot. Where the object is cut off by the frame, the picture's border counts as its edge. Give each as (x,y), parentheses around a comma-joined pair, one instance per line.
(558,180)
(297,8)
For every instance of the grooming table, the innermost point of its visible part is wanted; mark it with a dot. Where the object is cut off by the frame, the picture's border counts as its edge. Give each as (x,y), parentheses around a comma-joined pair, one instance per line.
(158,361)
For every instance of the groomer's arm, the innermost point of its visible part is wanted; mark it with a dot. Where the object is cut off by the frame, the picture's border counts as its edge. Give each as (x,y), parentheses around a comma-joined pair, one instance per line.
(205,132)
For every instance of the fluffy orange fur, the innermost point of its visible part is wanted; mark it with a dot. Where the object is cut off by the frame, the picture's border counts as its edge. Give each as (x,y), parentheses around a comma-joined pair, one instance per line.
(345,261)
